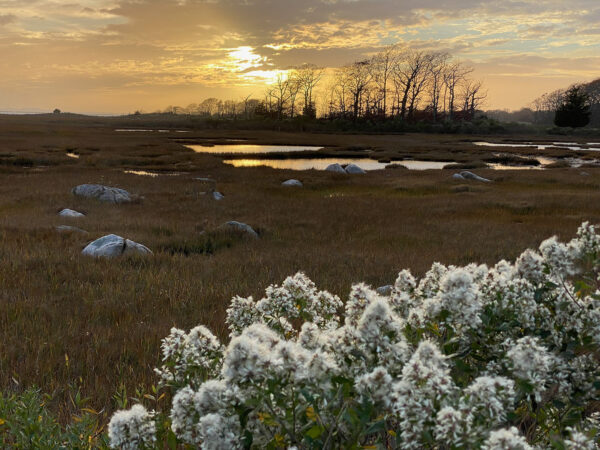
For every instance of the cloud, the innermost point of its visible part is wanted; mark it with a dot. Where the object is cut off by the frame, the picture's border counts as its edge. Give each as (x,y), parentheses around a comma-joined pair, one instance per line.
(202,46)
(5,19)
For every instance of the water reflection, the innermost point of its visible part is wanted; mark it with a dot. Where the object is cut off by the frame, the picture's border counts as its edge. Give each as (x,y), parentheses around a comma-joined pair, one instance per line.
(147,130)
(251,149)
(322,163)
(73,155)
(542,160)
(149,174)
(528,144)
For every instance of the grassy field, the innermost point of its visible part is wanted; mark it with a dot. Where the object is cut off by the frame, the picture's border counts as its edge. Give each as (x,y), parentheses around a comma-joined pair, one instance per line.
(67,320)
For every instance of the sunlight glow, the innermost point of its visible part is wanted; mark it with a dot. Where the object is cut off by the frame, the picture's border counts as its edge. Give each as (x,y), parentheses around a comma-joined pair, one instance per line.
(244,58)
(265,76)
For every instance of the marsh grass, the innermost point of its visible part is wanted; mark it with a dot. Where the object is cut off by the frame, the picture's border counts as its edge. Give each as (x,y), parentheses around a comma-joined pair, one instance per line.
(67,320)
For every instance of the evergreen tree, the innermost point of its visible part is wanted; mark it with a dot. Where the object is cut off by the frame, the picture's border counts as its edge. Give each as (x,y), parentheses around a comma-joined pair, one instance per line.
(575,109)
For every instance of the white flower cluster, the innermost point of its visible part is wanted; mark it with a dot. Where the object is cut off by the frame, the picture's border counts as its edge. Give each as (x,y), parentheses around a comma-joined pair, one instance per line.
(132,429)
(188,356)
(297,298)
(455,359)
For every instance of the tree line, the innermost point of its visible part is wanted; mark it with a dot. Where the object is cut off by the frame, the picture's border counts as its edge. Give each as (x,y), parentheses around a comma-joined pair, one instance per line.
(584,97)
(398,82)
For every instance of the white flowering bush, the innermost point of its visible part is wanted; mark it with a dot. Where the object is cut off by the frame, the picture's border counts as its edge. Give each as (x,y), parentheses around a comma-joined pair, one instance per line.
(477,357)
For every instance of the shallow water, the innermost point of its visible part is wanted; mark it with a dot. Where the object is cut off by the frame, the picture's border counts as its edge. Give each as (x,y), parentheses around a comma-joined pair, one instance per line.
(322,163)
(367,164)
(567,145)
(251,148)
(147,130)
(149,174)
(73,155)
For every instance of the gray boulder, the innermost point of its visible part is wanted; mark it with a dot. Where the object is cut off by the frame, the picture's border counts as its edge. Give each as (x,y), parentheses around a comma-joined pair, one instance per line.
(386,290)
(292,182)
(69,229)
(458,176)
(70,213)
(241,227)
(354,169)
(335,168)
(471,176)
(111,246)
(217,195)
(103,193)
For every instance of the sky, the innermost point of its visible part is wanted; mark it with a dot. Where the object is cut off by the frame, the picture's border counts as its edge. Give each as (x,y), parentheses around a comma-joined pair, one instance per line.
(119,56)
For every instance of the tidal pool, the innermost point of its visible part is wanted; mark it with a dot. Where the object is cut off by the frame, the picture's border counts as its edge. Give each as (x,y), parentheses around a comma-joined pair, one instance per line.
(249,149)
(138,130)
(567,145)
(322,163)
(145,173)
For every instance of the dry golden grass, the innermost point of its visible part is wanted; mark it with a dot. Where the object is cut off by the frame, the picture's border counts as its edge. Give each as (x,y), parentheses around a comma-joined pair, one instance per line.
(108,317)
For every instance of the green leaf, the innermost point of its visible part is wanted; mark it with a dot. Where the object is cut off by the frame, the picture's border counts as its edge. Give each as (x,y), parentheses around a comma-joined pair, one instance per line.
(315,432)
(171,440)
(376,427)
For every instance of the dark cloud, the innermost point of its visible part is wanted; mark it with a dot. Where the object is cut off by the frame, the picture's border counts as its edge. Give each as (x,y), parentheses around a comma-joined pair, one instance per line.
(5,19)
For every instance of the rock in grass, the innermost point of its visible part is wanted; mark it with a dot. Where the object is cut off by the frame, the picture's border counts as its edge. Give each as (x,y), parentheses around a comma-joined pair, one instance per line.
(217,195)
(70,213)
(354,169)
(396,166)
(335,168)
(69,229)
(239,226)
(292,182)
(458,176)
(385,290)
(471,176)
(102,193)
(111,246)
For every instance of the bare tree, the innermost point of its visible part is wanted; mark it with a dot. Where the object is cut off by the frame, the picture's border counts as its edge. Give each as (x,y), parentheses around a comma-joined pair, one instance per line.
(209,106)
(293,90)
(408,72)
(473,96)
(308,77)
(454,75)
(358,76)
(382,68)
(435,86)
(280,92)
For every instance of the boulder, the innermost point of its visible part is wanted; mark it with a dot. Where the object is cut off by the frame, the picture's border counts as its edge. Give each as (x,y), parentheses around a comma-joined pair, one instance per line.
(471,176)
(103,193)
(292,182)
(241,227)
(354,169)
(386,290)
(69,229)
(396,166)
(70,213)
(458,176)
(335,168)
(217,195)
(112,245)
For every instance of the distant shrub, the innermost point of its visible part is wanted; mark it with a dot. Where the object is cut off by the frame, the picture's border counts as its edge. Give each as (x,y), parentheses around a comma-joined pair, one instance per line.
(477,357)
(27,423)
(575,111)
